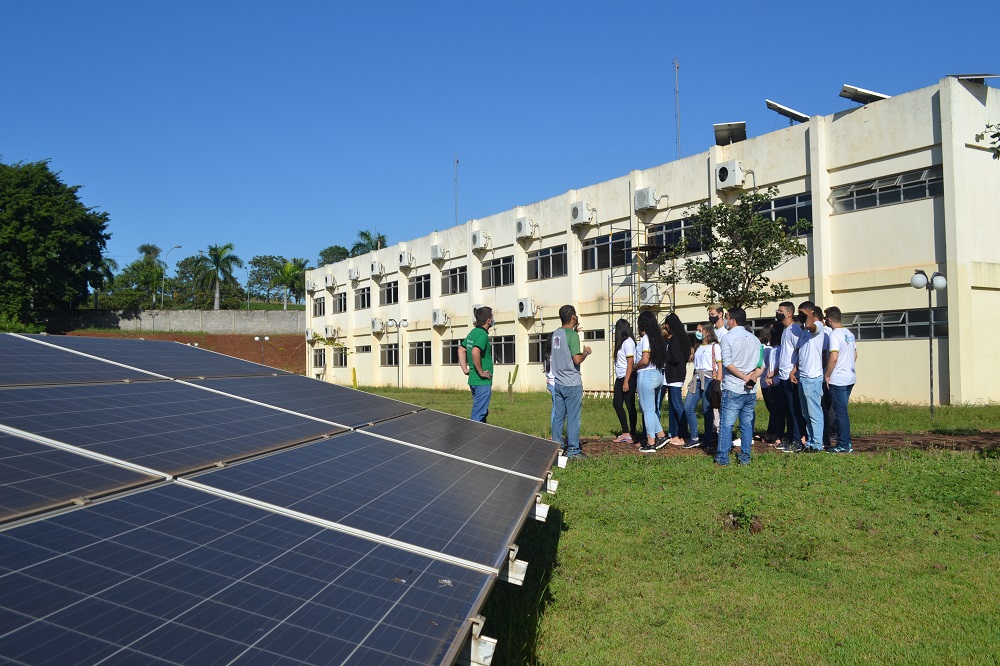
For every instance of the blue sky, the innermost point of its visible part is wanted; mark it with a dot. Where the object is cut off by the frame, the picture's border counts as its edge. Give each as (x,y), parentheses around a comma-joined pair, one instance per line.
(287,127)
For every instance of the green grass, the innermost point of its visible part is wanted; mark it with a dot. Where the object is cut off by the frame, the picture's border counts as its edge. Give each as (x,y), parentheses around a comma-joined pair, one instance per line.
(881,558)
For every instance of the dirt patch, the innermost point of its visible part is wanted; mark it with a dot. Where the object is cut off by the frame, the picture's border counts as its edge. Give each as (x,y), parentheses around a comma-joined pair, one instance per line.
(285,352)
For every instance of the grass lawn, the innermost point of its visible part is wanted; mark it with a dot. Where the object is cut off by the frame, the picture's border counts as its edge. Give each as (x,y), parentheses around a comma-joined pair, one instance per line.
(880,558)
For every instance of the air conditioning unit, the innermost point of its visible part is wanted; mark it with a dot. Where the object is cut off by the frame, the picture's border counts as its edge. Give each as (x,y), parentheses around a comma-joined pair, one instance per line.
(729,175)
(378,270)
(526,308)
(329,331)
(309,334)
(439,318)
(645,199)
(480,241)
(438,253)
(525,228)
(310,285)
(330,281)
(354,274)
(649,294)
(405,259)
(475,306)
(581,214)
(377,325)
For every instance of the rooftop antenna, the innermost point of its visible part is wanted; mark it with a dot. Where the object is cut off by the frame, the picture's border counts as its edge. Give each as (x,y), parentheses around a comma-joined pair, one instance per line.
(677,104)
(456,190)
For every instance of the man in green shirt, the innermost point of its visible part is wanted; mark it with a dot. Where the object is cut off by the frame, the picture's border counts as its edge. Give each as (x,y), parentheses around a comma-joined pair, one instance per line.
(476,346)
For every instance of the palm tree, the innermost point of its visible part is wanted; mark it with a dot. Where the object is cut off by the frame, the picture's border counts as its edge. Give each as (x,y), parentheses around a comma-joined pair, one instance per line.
(292,279)
(103,275)
(217,266)
(368,241)
(149,251)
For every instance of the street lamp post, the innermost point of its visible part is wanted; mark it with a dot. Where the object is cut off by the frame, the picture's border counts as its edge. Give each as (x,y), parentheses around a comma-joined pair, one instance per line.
(163,282)
(401,324)
(936,282)
(261,340)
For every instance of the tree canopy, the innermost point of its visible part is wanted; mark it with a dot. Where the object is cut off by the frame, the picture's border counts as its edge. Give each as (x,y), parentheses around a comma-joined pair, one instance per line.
(136,286)
(264,271)
(729,249)
(293,279)
(333,254)
(51,244)
(216,266)
(367,242)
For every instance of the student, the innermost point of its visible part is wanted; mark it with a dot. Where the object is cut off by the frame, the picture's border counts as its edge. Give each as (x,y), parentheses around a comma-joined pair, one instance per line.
(651,353)
(840,375)
(770,384)
(567,397)
(742,367)
(678,355)
(624,399)
(476,358)
(808,375)
(707,369)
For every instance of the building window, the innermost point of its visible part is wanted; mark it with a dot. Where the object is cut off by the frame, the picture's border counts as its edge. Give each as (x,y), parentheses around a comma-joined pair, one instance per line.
(388,293)
(389,354)
(502,347)
(419,288)
(449,351)
(909,186)
(363,349)
(596,334)
(791,210)
(319,358)
(498,272)
(420,353)
(362,298)
(338,303)
(536,347)
(607,251)
(319,306)
(338,357)
(661,237)
(547,263)
(896,324)
(454,281)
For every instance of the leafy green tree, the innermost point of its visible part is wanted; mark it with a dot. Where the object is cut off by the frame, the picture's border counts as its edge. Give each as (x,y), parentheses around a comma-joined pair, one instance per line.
(729,249)
(333,254)
(50,243)
(135,287)
(368,241)
(293,279)
(264,270)
(993,132)
(216,267)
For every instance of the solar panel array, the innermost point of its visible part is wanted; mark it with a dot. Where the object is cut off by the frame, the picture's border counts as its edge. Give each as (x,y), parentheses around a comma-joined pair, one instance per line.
(161,503)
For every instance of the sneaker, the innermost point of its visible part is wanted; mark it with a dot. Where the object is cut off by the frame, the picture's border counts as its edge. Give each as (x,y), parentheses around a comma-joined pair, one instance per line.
(842,449)
(660,442)
(692,444)
(579,455)
(792,448)
(646,448)
(809,449)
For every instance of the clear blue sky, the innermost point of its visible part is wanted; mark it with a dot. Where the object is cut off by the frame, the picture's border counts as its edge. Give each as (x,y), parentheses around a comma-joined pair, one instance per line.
(287,127)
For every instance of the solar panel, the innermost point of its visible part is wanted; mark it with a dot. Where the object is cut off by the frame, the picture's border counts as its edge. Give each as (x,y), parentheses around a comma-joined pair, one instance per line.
(35,477)
(316,398)
(488,444)
(417,496)
(174,575)
(170,359)
(166,426)
(26,362)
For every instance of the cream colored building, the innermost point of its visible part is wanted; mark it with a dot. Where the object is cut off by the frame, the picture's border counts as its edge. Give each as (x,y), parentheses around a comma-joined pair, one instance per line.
(890,187)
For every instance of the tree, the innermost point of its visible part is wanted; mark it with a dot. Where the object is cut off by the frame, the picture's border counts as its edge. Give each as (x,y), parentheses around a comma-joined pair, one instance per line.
(292,279)
(134,288)
(368,241)
(333,254)
(50,243)
(264,270)
(216,267)
(729,249)
(993,132)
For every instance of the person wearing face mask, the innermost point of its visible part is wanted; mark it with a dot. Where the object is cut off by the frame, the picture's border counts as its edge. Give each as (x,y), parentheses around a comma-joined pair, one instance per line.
(717,317)
(808,374)
(678,354)
(743,364)
(567,397)
(476,346)
(788,394)
(707,370)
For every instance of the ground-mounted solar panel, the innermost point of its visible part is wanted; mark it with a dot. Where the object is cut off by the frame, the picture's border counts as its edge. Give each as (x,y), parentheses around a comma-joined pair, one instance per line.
(166,426)
(35,477)
(170,359)
(461,437)
(174,575)
(413,495)
(25,362)
(316,398)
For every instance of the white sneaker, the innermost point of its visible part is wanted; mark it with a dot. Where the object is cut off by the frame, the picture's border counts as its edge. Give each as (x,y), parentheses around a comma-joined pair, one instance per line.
(737,444)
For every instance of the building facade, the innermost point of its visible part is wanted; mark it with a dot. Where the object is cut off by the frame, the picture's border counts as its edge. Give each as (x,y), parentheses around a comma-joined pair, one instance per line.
(890,187)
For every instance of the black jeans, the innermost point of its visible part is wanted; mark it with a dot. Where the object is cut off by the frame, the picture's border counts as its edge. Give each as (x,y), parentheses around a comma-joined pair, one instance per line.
(625,400)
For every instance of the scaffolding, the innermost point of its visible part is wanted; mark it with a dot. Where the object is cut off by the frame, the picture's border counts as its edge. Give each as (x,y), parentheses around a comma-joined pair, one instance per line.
(623,280)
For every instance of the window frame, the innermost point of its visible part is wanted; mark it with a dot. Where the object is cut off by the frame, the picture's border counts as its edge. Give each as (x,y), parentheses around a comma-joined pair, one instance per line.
(455,281)
(388,355)
(363,298)
(501,268)
(416,285)
(545,257)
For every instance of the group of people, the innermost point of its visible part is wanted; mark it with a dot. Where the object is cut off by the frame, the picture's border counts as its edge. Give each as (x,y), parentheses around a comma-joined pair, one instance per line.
(803,363)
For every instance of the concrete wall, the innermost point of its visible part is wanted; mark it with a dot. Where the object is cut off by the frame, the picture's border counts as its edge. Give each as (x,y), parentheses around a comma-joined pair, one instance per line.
(253,322)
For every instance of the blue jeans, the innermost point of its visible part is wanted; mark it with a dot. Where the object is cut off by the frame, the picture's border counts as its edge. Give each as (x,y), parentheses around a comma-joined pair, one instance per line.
(675,403)
(481,402)
(650,385)
(691,402)
(567,405)
(811,398)
(736,405)
(840,396)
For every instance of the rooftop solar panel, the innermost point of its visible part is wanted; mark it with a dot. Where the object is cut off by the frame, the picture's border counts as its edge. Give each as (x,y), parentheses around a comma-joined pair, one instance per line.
(171,359)
(26,362)
(458,436)
(316,398)
(417,496)
(166,426)
(35,477)
(173,575)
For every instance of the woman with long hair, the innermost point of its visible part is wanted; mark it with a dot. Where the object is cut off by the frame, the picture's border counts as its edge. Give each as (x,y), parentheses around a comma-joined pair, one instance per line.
(625,381)
(652,354)
(678,354)
(707,369)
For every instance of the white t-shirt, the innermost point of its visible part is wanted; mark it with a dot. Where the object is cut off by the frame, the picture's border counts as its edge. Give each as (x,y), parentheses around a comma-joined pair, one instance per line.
(810,349)
(621,358)
(771,357)
(703,357)
(842,342)
(721,333)
(640,348)
(788,354)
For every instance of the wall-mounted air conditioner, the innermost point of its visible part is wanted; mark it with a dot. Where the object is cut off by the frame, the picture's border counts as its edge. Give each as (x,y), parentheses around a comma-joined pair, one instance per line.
(729,175)
(329,331)
(405,259)
(377,325)
(480,241)
(526,308)
(649,294)
(581,214)
(378,270)
(475,306)
(329,281)
(310,285)
(354,274)
(525,228)
(439,318)
(645,199)
(309,334)
(438,253)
